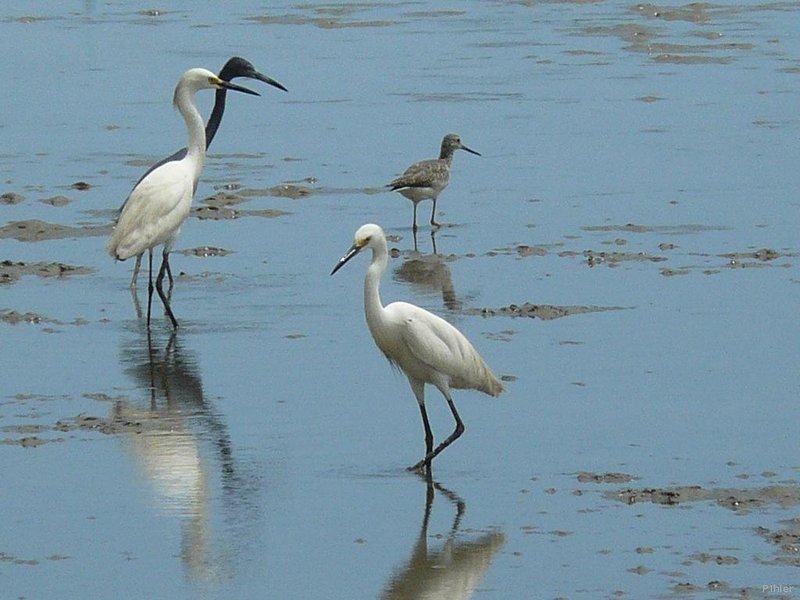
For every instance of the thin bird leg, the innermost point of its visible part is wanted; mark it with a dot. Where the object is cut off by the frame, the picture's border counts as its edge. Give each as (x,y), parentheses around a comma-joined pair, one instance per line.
(414,228)
(150,290)
(419,392)
(452,438)
(164,299)
(165,258)
(135,273)
(433,215)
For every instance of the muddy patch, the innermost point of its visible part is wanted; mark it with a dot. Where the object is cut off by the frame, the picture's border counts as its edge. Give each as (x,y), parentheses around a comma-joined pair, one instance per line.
(222,206)
(545,312)
(113,425)
(35,231)
(13,317)
(319,21)
(56,201)
(206,251)
(686,229)
(11,271)
(286,190)
(740,500)
(587,477)
(11,198)
(786,540)
(614,259)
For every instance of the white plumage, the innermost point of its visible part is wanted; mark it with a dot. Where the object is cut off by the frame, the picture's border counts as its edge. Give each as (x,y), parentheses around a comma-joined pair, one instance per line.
(424,346)
(158,205)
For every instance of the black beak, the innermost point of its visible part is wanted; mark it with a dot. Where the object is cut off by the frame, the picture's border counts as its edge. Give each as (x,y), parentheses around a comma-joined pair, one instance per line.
(269,80)
(236,88)
(350,254)
(470,150)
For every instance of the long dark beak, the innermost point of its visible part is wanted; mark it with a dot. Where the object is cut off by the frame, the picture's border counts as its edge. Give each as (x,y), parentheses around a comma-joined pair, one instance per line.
(470,150)
(350,254)
(236,88)
(269,80)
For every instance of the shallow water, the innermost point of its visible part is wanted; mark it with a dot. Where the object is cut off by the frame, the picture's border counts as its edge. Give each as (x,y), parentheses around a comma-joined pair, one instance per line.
(636,184)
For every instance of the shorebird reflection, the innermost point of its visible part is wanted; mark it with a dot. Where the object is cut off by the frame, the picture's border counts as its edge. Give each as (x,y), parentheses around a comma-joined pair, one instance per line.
(450,572)
(429,274)
(165,437)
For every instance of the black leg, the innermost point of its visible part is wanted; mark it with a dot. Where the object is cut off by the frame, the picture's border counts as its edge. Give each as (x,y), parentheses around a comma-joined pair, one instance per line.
(150,289)
(428,439)
(160,289)
(414,228)
(450,439)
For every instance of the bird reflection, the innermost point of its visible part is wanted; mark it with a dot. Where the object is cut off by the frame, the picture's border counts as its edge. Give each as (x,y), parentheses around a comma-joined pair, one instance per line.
(166,437)
(451,572)
(429,274)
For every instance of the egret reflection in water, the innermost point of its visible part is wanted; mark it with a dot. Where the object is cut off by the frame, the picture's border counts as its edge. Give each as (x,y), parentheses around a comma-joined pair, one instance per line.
(177,442)
(451,571)
(429,274)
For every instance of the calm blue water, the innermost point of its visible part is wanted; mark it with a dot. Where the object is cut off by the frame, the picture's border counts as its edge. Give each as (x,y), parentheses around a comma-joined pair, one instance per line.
(265,449)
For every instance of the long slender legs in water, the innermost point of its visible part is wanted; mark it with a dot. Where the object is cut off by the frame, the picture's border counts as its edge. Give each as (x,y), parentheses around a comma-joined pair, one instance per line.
(150,288)
(135,273)
(433,215)
(159,288)
(430,452)
(138,264)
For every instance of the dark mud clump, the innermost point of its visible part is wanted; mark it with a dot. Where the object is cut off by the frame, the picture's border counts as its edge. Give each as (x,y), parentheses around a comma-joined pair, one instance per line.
(11,271)
(11,198)
(205,251)
(613,259)
(750,259)
(545,312)
(280,191)
(113,425)
(36,231)
(787,541)
(587,477)
(734,499)
(56,201)
(13,317)
(220,206)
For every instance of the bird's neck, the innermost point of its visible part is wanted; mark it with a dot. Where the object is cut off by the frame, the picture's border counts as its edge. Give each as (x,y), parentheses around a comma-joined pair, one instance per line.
(373,307)
(446,155)
(194,125)
(216,116)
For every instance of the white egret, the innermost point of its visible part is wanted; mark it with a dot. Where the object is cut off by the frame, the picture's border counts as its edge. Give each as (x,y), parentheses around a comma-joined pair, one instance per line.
(235,67)
(424,346)
(160,202)
(426,179)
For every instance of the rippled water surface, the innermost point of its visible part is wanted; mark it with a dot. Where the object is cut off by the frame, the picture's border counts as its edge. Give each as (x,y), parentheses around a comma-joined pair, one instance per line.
(623,254)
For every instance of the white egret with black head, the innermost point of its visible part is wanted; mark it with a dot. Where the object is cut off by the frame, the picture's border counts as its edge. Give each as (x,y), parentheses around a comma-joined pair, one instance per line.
(160,201)
(235,67)
(424,346)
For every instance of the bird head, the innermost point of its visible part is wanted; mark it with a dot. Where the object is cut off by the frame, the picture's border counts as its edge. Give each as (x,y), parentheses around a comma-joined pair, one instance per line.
(240,67)
(367,235)
(197,79)
(452,142)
